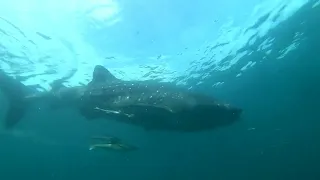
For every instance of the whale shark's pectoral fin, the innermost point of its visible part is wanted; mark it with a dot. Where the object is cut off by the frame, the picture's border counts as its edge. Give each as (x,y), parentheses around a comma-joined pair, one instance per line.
(102,75)
(113,112)
(89,113)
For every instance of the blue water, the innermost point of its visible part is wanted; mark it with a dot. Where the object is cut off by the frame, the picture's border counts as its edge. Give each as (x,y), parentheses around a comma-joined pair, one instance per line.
(259,55)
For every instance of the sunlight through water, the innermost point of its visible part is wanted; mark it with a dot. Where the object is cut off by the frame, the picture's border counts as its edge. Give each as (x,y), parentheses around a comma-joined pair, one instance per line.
(42,41)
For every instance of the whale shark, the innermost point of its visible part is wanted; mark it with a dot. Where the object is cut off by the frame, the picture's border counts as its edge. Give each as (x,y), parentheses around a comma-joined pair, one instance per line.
(149,104)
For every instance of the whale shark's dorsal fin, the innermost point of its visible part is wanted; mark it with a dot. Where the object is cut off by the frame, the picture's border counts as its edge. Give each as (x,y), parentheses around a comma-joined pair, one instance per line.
(56,85)
(102,75)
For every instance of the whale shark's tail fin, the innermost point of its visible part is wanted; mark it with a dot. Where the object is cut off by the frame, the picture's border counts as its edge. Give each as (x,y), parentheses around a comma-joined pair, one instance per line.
(14,115)
(15,92)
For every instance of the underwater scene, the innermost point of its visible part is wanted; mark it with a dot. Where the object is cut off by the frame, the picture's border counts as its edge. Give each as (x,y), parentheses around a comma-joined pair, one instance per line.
(159,89)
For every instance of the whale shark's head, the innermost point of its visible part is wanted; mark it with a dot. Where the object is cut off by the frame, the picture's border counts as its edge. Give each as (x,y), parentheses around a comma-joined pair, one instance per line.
(206,117)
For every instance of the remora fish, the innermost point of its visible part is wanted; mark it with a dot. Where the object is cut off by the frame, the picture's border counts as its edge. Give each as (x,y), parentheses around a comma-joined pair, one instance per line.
(148,104)
(111,143)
